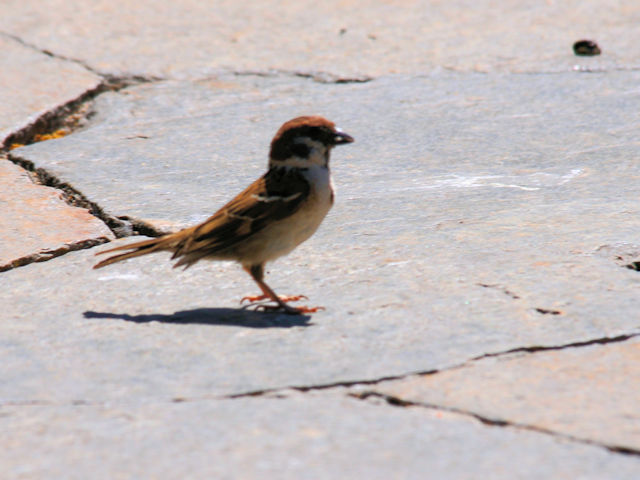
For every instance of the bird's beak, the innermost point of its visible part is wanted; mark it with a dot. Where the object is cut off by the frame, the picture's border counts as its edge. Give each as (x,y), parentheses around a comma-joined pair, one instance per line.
(341,138)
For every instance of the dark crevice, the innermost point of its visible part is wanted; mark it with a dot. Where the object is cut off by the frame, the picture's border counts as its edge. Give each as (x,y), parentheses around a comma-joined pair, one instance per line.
(622,450)
(280,392)
(140,227)
(48,53)
(391,400)
(625,255)
(322,77)
(506,291)
(492,422)
(111,82)
(73,197)
(546,348)
(44,255)
(115,81)
(121,226)
(62,121)
(353,383)
(548,311)
(67,117)
(319,77)
(400,402)
(70,116)
(327,386)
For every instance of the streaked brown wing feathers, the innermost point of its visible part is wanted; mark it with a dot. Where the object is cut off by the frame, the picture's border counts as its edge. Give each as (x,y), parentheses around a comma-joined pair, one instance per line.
(276,195)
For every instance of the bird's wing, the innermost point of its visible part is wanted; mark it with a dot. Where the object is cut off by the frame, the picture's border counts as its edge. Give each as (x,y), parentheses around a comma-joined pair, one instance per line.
(275,196)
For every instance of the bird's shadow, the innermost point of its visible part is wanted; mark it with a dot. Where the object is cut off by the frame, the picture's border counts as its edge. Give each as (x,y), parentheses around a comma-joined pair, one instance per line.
(235,317)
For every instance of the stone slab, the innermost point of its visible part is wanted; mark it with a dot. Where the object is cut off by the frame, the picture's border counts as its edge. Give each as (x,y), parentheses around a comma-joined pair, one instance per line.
(590,393)
(140,329)
(33,84)
(342,39)
(37,224)
(470,221)
(169,153)
(307,436)
(475,214)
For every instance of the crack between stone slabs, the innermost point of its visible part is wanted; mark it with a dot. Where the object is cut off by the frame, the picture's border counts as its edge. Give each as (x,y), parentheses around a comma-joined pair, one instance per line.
(280,392)
(48,53)
(353,383)
(390,400)
(492,422)
(44,255)
(327,386)
(319,77)
(547,348)
(399,402)
(112,81)
(375,381)
(121,226)
(73,197)
(70,116)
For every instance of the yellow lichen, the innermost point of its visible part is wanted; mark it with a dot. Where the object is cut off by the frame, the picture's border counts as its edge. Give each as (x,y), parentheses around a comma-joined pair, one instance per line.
(41,137)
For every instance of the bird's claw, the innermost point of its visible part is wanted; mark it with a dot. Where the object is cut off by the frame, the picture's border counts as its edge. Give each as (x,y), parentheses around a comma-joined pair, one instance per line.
(281,304)
(264,307)
(283,298)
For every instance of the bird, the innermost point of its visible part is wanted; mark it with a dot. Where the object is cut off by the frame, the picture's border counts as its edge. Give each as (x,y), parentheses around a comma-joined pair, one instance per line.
(268,219)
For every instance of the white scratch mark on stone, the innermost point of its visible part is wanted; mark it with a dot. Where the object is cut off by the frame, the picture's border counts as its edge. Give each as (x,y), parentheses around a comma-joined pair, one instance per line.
(121,276)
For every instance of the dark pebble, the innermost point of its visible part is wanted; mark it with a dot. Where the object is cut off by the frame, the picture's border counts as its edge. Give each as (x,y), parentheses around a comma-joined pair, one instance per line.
(586,48)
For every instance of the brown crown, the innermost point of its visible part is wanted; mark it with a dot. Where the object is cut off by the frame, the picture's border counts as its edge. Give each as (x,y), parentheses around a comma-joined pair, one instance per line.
(316,127)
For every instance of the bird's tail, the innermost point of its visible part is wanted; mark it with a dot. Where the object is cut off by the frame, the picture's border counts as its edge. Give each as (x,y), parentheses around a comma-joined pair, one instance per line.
(136,249)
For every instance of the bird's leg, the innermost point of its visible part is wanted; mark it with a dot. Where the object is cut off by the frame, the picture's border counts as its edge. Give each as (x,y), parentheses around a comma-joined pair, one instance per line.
(257,273)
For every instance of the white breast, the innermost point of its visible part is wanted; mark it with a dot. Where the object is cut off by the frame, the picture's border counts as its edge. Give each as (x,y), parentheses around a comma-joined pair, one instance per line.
(287,234)
(321,198)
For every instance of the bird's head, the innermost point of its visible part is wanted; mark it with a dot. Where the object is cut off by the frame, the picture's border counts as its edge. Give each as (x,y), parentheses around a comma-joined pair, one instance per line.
(306,141)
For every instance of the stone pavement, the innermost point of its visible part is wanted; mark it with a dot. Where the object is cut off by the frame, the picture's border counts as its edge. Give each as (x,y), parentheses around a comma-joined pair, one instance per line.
(480,269)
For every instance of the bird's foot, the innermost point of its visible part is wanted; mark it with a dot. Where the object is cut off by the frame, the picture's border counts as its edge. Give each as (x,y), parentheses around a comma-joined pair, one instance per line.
(283,298)
(283,307)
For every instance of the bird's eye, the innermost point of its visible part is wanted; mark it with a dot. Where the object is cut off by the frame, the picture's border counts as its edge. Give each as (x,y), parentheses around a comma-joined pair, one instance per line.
(300,150)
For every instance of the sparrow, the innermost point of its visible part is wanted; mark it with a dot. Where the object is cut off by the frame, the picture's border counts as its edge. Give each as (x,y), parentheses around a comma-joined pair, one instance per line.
(267,220)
